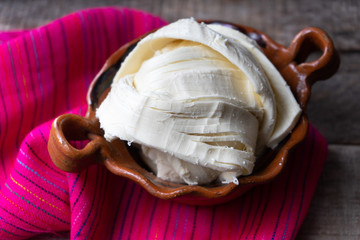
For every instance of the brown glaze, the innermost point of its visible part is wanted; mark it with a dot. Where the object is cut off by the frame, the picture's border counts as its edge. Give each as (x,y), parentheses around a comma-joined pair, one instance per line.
(121,160)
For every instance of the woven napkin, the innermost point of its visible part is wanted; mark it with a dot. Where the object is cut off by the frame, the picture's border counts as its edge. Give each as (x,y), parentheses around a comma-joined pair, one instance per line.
(45,72)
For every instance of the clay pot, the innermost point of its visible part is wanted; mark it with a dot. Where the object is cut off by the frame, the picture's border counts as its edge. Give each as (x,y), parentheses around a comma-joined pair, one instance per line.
(124,161)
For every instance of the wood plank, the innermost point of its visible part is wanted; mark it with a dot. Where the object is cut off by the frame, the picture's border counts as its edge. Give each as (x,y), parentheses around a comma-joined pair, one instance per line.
(334,107)
(281,19)
(335,210)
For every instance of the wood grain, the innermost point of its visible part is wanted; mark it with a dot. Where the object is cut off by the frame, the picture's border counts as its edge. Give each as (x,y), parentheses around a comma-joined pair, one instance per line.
(281,19)
(334,211)
(334,107)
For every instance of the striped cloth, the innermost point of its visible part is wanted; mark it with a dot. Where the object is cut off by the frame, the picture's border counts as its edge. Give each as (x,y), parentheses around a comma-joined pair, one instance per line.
(45,72)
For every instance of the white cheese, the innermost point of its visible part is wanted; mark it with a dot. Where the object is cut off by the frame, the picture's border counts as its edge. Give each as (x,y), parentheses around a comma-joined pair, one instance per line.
(203,101)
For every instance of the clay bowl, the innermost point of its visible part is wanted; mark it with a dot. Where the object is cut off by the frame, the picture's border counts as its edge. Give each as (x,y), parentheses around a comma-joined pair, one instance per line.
(124,161)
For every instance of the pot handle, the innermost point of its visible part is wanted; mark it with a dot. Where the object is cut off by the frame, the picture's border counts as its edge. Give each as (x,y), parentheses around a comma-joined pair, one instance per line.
(303,74)
(308,41)
(71,127)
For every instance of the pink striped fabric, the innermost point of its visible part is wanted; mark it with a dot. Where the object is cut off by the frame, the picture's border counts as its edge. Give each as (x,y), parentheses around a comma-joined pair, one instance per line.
(45,72)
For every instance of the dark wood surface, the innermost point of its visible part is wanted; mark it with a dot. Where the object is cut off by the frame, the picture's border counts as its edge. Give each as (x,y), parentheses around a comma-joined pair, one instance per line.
(334,107)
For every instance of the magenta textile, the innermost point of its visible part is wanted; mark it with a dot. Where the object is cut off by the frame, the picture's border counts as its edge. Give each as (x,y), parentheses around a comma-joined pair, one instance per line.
(45,72)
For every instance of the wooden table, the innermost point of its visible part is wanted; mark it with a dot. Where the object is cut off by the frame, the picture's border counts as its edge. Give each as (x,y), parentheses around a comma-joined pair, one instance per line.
(334,106)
